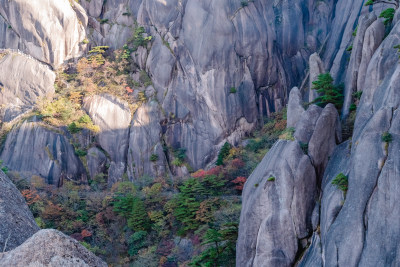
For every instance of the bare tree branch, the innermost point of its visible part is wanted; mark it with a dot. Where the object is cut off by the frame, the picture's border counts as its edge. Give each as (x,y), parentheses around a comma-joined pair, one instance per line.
(5,244)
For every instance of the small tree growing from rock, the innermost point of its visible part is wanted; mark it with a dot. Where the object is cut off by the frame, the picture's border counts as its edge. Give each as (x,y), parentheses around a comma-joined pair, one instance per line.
(388,13)
(329,93)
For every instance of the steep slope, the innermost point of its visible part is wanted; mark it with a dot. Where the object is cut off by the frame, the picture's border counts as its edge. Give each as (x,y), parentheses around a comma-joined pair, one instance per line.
(17,223)
(279,197)
(32,142)
(358,225)
(23,81)
(21,242)
(217,67)
(49,31)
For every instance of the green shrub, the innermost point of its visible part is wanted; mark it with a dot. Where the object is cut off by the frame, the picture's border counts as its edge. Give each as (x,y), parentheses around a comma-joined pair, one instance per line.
(85,119)
(232,90)
(133,209)
(244,3)
(388,15)
(329,92)
(304,147)
(145,79)
(138,39)
(386,137)
(136,242)
(398,48)
(352,107)
(223,153)
(177,162)
(349,48)
(97,54)
(80,152)
(73,128)
(153,157)
(288,134)
(256,185)
(357,95)
(179,156)
(355,31)
(102,21)
(271,179)
(341,181)
(220,247)
(85,41)
(369,3)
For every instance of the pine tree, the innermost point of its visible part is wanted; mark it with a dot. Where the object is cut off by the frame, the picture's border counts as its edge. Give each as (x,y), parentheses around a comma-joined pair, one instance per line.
(223,153)
(329,92)
(139,219)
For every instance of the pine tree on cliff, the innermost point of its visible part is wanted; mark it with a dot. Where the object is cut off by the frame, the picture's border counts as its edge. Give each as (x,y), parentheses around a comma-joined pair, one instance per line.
(329,93)
(387,14)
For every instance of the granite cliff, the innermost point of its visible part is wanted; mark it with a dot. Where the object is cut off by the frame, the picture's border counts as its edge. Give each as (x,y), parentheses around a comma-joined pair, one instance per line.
(206,73)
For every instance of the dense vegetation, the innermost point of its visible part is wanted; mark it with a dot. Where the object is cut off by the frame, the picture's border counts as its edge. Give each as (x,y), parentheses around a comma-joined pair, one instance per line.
(151,221)
(192,221)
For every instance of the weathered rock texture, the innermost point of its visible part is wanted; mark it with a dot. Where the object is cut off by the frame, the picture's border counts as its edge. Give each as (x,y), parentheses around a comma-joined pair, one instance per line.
(316,68)
(200,50)
(51,248)
(17,223)
(280,196)
(359,227)
(217,67)
(50,31)
(23,81)
(144,144)
(113,116)
(294,108)
(32,149)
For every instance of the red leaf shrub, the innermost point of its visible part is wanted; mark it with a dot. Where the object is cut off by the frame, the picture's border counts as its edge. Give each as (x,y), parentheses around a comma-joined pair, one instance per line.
(239,181)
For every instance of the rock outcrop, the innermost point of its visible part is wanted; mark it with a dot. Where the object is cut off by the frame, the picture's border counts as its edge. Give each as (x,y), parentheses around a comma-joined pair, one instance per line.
(358,226)
(316,68)
(276,211)
(294,108)
(146,154)
(23,81)
(113,116)
(22,243)
(17,223)
(50,248)
(51,32)
(279,198)
(207,85)
(32,142)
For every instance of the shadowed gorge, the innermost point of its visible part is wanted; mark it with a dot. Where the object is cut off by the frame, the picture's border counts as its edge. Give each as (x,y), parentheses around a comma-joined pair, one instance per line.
(199,133)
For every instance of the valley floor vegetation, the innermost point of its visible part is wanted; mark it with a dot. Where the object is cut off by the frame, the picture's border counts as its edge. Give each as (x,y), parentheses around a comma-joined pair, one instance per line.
(192,221)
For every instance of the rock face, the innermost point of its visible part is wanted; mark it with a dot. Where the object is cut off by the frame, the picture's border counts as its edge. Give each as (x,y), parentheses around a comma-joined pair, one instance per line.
(23,81)
(17,223)
(113,116)
(50,248)
(279,197)
(51,32)
(294,108)
(146,153)
(359,227)
(316,68)
(279,201)
(235,47)
(31,143)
